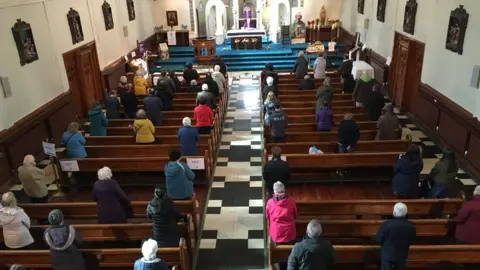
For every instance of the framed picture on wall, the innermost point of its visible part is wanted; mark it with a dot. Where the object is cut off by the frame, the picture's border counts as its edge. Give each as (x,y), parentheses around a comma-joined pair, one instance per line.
(409,16)
(172,19)
(381,8)
(107,15)
(75,24)
(23,36)
(361,6)
(457,27)
(131,10)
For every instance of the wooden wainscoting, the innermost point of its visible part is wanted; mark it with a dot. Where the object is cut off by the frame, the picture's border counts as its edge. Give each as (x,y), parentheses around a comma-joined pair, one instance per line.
(346,38)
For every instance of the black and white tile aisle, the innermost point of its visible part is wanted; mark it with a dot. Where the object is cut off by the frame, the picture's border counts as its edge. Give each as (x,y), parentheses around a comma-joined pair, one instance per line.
(233,232)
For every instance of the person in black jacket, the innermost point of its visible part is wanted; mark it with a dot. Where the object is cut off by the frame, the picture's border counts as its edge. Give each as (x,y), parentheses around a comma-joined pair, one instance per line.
(307,83)
(263,75)
(129,103)
(164,215)
(212,85)
(348,134)
(218,61)
(348,84)
(276,170)
(112,105)
(189,73)
(176,81)
(313,252)
(395,237)
(374,104)
(346,67)
(166,95)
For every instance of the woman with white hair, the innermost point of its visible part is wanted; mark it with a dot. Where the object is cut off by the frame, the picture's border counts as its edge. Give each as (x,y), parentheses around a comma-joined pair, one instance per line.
(15,223)
(468,220)
(209,97)
(193,87)
(300,69)
(31,178)
(113,205)
(269,87)
(140,84)
(218,77)
(150,260)
(188,137)
(319,67)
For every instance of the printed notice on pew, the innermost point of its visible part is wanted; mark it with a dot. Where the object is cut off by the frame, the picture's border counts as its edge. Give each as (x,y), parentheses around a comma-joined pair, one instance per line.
(196,163)
(69,165)
(49,149)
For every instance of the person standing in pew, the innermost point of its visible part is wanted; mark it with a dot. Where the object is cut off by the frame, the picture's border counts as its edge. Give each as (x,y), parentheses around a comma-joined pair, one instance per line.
(348,134)
(208,96)
(319,67)
(468,220)
(443,177)
(140,84)
(276,170)
(218,61)
(112,105)
(363,88)
(164,93)
(166,81)
(300,69)
(218,77)
(346,67)
(113,206)
(194,88)
(395,237)
(74,141)
(123,85)
(32,178)
(348,84)
(407,174)
(204,116)
(189,74)
(388,125)
(129,102)
(64,242)
(324,117)
(150,260)
(268,107)
(212,85)
(314,252)
(374,104)
(263,75)
(188,137)
(176,81)
(269,88)
(98,121)
(325,92)
(144,129)
(306,83)
(15,223)
(179,177)
(164,216)
(153,107)
(278,124)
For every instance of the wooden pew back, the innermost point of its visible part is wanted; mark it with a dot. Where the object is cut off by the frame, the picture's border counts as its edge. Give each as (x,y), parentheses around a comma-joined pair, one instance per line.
(332,147)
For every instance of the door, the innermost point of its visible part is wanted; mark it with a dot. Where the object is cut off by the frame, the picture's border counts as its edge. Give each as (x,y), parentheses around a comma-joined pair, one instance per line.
(400,73)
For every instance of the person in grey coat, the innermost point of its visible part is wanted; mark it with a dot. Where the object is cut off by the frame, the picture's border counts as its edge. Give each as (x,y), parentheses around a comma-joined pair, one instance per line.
(301,66)
(210,98)
(153,107)
(324,93)
(112,105)
(388,125)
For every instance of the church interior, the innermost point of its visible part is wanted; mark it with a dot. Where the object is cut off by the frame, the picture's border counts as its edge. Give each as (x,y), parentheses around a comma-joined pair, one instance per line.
(250,133)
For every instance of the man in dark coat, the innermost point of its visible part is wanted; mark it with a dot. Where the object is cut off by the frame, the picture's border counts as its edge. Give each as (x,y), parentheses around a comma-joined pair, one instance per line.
(112,106)
(348,134)
(276,170)
(164,93)
(346,67)
(209,97)
(278,124)
(212,85)
(395,237)
(176,81)
(348,84)
(263,75)
(153,107)
(166,80)
(129,103)
(189,74)
(374,104)
(164,215)
(218,61)
(362,90)
(324,93)
(313,252)
(307,83)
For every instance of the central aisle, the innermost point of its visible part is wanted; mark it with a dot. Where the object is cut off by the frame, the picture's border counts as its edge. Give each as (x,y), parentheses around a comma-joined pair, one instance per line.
(233,232)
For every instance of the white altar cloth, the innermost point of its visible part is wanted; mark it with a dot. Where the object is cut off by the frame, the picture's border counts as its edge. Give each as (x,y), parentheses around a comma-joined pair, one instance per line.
(361,66)
(245,33)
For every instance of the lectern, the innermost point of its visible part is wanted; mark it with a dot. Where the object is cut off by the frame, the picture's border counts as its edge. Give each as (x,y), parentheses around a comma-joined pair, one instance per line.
(204,50)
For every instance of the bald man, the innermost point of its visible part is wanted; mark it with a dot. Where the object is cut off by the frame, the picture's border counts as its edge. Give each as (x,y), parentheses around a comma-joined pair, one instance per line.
(31,178)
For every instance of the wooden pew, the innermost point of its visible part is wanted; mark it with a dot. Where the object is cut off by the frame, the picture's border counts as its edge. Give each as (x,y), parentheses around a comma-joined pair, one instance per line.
(332,147)
(321,136)
(308,97)
(287,103)
(311,127)
(97,258)
(289,91)
(312,110)
(294,84)
(163,130)
(156,150)
(301,119)
(130,140)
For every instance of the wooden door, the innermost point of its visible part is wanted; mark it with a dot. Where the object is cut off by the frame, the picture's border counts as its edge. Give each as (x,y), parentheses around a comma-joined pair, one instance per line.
(400,73)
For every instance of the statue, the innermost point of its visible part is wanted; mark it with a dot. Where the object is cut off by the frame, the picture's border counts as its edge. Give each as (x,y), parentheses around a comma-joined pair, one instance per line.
(323,15)
(298,27)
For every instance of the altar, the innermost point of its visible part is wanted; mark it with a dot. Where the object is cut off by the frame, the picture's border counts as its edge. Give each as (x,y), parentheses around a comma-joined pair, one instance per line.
(246,39)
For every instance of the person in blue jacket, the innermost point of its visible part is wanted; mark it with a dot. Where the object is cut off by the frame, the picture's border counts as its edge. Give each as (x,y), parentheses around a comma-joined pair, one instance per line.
(188,137)
(98,121)
(179,177)
(407,174)
(74,141)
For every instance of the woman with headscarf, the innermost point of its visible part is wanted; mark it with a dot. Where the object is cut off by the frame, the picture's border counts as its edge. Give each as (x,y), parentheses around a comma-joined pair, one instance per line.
(98,121)
(15,223)
(164,216)
(179,177)
(300,69)
(64,243)
(150,260)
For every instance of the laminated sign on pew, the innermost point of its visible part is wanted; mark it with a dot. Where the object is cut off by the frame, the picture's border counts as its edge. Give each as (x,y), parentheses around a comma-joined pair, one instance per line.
(49,149)
(69,165)
(196,163)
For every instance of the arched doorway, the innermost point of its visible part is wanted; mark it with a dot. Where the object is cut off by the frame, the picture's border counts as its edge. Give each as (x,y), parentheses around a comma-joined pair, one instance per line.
(216,20)
(279,14)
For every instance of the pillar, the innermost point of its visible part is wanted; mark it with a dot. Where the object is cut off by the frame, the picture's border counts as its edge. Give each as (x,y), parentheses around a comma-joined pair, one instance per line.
(219,36)
(259,14)
(273,30)
(235,15)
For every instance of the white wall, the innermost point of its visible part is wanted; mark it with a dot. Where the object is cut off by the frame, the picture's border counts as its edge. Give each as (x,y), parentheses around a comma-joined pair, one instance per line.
(311,9)
(37,83)
(183,13)
(447,72)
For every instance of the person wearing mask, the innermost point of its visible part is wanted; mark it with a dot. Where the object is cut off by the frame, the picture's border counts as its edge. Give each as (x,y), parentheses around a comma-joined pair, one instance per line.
(269,107)
(263,75)
(278,124)
(276,170)
(395,237)
(348,84)
(269,88)
(319,67)
(468,220)
(129,102)
(212,85)
(204,117)
(388,125)
(374,104)
(407,174)
(281,212)
(140,84)
(164,216)
(313,252)
(188,137)
(324,93)
(179,177)
(363,89)
(443,177)
(112,106)
(307,83)
(165,80)
(218,77)
(219,62)
(32,179)
(348,134)
(73,141)
(164,93)
(153,107)
(98,121)
(190,74)
(176,81)
(149,261)
(113,206)
(144,129)
(64,242)
(346,67)
(209,97)
(194,88)
(15,223)
(123,85)
(324,117)
(300,69)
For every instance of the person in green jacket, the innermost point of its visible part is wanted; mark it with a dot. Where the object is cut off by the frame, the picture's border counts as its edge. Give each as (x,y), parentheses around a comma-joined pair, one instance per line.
(325,92)
(443,176)
(98,121)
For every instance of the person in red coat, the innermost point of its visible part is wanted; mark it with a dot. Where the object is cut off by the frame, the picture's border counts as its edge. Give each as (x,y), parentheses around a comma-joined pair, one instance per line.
(468,220)
(204,117)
